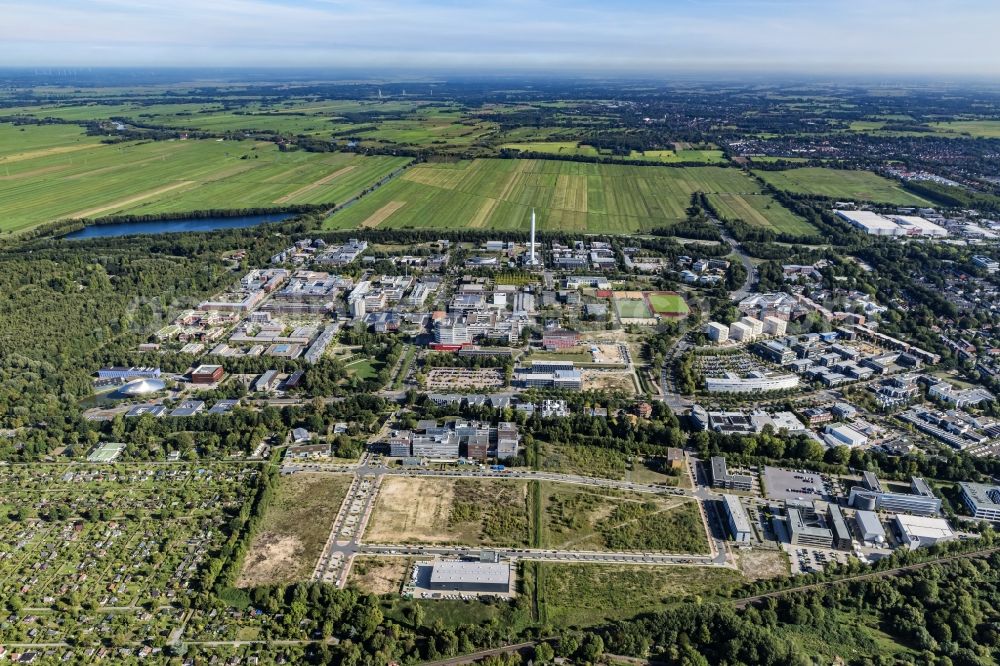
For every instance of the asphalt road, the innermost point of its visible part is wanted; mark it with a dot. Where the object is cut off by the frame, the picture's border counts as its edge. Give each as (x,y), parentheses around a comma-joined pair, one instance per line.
(751,278)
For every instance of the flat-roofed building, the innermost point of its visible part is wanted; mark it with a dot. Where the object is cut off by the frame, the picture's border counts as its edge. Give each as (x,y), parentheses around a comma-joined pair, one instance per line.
(918,226)
(754,382)
(982,500)
(266,382)
(207,374)
(871,223)
(736,517)
(803,529)
(870,527)
(756,325)
(841,434)
(463,576)
(188,408)
(774,326)
(922,502)
(841,533)
(740,332)
(717,332)
(721,478)
(774,351)
(922,531)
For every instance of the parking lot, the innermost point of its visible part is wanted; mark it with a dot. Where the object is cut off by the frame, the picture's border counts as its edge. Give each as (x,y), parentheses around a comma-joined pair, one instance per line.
(464,378)
(808,560)
(790,484)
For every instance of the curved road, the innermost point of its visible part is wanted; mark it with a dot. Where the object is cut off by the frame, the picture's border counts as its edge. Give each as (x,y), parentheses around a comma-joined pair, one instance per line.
(751,278)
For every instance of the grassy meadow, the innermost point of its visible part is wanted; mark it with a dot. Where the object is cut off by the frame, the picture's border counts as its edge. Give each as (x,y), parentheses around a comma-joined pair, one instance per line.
(842,184)
(760,210)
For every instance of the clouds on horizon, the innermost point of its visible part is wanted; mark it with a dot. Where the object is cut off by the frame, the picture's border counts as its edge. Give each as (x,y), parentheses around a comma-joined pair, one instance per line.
(641,36)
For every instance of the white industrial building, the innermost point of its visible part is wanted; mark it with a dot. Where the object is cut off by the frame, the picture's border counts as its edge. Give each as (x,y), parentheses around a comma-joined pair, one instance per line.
(893,225)
(837,434)
(717,332)
(775,326)
(871,223)
(870,527)
(740,332)
(754,382)
(922,531)
(918,226)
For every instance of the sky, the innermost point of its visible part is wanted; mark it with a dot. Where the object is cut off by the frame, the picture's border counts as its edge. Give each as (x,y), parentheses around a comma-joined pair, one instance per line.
(943,38)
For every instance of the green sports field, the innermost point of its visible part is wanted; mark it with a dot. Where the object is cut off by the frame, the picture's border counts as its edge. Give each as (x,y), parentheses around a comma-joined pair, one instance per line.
(631,308)
(96,180)
(669,304)
(842,184)
(569,196)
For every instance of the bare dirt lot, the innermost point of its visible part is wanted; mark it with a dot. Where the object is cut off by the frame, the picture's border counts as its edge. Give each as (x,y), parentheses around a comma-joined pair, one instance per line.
(450,511)
(761,564)
(294,530)
(604,380)
(380,575)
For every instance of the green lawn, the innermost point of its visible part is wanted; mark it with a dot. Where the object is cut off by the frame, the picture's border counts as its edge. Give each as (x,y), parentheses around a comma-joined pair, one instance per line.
(842,184)
(365,368)
(97,180)
(568,196)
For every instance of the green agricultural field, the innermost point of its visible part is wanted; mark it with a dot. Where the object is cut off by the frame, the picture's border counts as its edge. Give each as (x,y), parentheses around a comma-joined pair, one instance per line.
(768,159)
(841,184)
(760,210)
(18,143)
(569,196)
(554,148)
(589,594)
(97,180)
(572,148)
(985,129)
(674,156)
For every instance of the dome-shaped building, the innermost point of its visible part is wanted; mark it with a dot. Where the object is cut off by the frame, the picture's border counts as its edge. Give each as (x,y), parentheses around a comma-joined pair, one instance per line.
(142,387)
